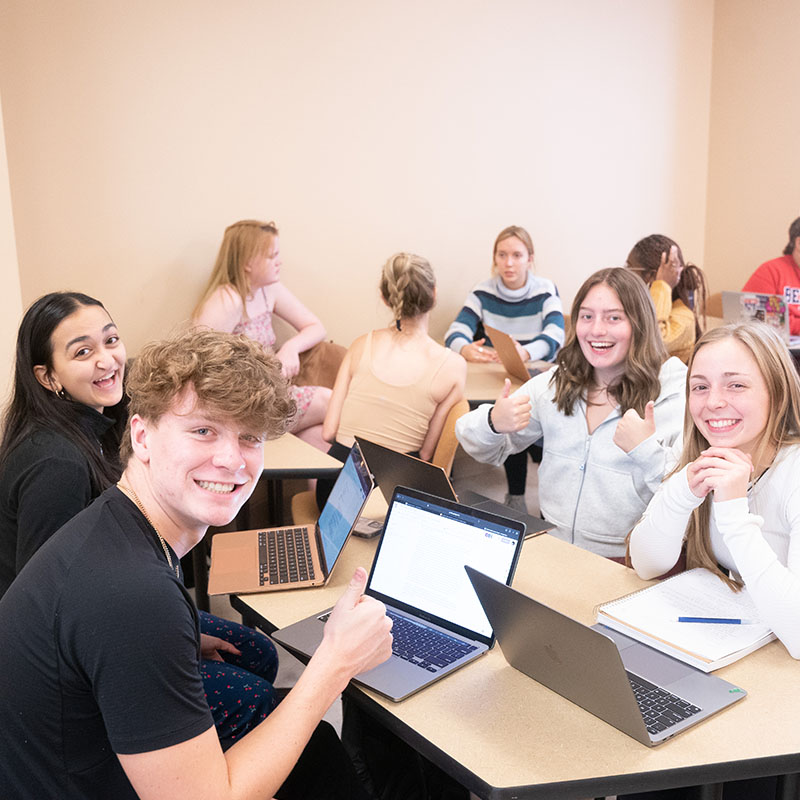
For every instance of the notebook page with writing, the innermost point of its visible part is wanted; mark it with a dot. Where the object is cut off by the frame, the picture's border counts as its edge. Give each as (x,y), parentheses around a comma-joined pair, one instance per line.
(651,616)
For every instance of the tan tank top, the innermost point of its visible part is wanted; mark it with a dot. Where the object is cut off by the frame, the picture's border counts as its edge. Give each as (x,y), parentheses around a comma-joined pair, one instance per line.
(392,415)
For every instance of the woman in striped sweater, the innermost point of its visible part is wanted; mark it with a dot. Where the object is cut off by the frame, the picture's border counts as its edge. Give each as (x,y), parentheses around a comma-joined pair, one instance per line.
(523,305)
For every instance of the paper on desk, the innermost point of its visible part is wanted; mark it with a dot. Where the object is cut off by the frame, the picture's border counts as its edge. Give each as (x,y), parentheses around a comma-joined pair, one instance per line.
(654,612)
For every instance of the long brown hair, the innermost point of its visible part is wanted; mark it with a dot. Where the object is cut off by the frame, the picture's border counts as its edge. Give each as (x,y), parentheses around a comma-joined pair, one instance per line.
(645,258)
(242,242)
(640,381)
(782,428)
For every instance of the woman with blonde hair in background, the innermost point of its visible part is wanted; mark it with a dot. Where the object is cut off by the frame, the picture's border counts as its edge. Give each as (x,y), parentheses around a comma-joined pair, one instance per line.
(396,385)
(525,306)
(245,292)
(678,290)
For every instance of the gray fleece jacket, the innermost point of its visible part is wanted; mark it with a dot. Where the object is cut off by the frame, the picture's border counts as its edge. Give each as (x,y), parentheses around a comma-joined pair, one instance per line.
(590,489)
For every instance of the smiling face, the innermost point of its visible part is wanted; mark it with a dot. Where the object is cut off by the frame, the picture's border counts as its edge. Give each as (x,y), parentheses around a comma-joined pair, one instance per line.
(604,333)
(512,262)
(728,397)
(201,468)
(88,359)
(265,267)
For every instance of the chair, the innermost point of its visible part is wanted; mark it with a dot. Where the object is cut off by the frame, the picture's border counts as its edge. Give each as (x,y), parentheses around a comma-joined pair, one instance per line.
(714,305)
(447,445)
(304,508)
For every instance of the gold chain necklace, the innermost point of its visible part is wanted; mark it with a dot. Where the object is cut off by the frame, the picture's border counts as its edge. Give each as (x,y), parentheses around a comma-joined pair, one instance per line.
(135,497)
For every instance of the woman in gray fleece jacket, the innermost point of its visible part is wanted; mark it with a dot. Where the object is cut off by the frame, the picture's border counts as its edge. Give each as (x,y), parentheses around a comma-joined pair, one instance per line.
(608,412)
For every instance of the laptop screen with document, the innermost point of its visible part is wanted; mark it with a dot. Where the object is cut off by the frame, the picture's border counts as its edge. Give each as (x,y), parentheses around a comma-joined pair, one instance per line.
(419,566)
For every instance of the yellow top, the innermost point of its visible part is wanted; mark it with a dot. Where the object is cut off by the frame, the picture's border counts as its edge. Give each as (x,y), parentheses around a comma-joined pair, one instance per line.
(675,321)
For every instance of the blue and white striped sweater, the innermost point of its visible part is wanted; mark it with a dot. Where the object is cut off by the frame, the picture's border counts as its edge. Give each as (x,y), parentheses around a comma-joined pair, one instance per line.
(532,315)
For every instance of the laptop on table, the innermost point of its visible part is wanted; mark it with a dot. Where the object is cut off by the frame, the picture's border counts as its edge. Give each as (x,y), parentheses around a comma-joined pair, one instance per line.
(768,308)
(640,691)
(391,469)
(292,557)
(418,572)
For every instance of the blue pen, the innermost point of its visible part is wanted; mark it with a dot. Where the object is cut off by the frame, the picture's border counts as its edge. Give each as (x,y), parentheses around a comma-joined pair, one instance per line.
(717,620)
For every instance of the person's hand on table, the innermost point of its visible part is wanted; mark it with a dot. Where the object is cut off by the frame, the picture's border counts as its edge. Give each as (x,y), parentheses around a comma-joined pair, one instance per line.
(475,351)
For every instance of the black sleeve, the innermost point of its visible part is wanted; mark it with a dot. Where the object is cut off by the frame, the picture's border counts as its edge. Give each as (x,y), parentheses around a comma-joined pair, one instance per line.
(49,491)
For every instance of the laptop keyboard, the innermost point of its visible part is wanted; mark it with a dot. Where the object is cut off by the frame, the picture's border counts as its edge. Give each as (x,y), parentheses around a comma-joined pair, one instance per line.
(284,556)
(426,647)
(661,709)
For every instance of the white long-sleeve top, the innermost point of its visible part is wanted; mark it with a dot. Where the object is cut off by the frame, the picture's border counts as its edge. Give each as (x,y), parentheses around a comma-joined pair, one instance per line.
(590,489)
(757,537)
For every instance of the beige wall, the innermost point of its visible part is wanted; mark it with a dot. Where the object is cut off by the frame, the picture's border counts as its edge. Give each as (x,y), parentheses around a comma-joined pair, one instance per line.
(10,299)
(136,132)
(754,163)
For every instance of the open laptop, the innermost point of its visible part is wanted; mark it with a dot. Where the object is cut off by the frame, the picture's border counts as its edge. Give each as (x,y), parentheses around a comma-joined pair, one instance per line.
(599,669)
(418,572)
(391,469)
(768,308)
(294,557)
(506,349)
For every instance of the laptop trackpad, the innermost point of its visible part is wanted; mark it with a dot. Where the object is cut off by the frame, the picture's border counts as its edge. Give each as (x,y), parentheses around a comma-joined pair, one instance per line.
(234,559)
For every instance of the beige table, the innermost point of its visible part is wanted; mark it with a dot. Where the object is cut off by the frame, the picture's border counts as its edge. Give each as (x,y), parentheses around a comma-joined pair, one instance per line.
(504,736)
(290,457)
(485,380)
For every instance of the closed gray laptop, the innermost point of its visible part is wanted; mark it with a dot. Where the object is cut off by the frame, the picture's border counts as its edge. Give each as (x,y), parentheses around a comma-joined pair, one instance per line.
(599,669)
(392,469)
(438,622)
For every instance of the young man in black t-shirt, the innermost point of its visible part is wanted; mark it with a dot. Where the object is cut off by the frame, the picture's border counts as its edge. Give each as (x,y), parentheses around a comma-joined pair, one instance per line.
(100,694)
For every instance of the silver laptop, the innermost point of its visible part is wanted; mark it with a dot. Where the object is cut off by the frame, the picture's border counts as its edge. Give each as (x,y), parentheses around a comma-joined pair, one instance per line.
(297,557)
(644,693)
(392,469)
(418,572)
(768,308)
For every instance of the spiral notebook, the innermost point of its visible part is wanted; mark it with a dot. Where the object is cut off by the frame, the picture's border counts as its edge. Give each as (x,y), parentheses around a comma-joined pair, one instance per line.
(651,616)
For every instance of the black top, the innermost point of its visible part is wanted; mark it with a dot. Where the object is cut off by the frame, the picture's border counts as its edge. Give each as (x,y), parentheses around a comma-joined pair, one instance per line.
(100,655)
(45,482)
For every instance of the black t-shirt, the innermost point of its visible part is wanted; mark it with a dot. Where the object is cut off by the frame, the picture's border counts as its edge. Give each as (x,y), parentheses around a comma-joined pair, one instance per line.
(100,656)
(44,484)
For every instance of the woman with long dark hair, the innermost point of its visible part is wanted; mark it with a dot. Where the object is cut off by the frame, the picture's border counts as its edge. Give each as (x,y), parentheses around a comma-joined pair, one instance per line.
(678,291)
(62,427)
(60,450)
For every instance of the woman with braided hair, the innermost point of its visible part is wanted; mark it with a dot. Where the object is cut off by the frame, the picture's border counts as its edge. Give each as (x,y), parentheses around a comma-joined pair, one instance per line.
(396,385)
(678,291)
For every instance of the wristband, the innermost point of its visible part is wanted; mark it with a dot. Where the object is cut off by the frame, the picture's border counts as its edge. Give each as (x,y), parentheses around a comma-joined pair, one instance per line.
(489,419)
